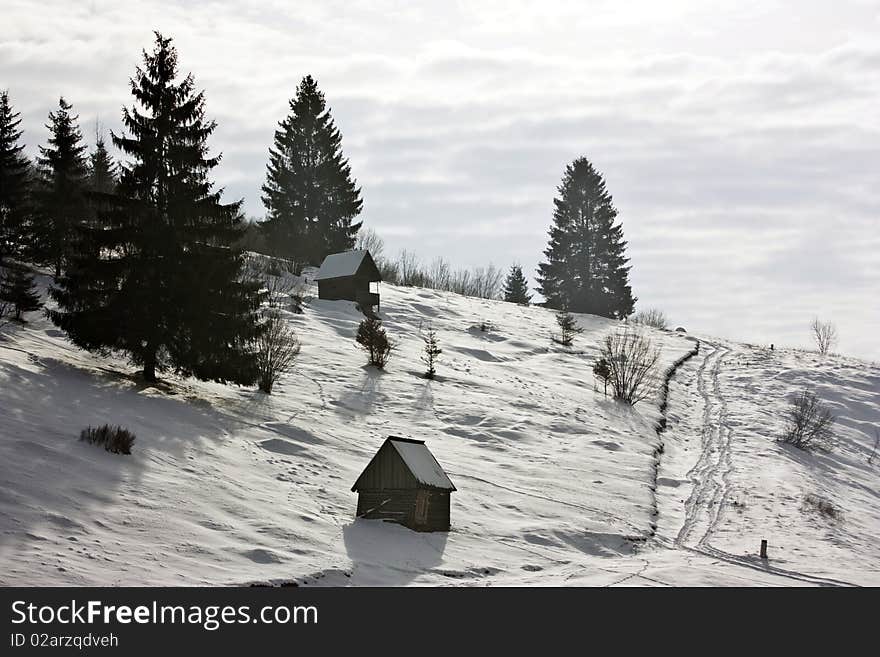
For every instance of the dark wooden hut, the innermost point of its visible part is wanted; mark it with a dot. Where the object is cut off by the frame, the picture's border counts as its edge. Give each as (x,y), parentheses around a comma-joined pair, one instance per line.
(404,483)
(348,276)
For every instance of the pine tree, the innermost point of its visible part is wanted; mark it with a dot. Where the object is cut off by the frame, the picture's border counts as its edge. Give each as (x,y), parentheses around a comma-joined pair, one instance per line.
(14,181)
(18,289)
(516,289)
(61,190)
(586,269)
(159,281)
(102,168)
(431,353)
(568,328)
(309,194)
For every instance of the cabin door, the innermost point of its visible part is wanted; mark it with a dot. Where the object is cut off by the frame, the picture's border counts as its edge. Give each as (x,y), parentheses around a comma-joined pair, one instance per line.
(422,498)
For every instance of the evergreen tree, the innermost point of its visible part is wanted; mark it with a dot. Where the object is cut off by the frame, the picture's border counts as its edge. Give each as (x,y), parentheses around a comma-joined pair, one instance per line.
(62,185)
(431,353)
(14,181)
(102,168)
(102,180)
(586,269)
(159,281)
(309,193)
(18,289)
(516,289)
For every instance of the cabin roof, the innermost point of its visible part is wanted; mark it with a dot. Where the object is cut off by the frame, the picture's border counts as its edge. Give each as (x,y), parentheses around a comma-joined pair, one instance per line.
(418,459)
(340,265)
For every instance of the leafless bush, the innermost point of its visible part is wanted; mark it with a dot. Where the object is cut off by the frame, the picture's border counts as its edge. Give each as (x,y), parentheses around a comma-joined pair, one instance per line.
(373,339)
(876,444)
(568,328)
(824,335)
(368,240)
(277,350)
(409,271)
(814,502)
(808,423)
(279,279)
(483,282)
(632,362)
(117,440)
(439,274)
(653,317)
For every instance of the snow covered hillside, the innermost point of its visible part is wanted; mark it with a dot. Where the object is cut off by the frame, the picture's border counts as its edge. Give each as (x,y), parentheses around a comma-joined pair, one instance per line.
(556,484)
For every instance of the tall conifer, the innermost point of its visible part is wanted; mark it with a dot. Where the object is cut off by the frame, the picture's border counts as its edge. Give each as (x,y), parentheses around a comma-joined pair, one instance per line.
(61,200)
(14,181)
(158,280)
(309,194)
(587,269)
(516,289)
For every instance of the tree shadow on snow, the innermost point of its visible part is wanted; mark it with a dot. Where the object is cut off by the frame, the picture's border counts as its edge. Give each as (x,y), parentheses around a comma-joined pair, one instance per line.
(54,486)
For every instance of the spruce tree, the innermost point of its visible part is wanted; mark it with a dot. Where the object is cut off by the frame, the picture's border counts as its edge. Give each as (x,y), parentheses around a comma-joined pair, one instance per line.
(61,190)
(19,290)
(102,168)
(14,181)
(158,280)
(516,289)
(102,180)
(309,194)
(586,269)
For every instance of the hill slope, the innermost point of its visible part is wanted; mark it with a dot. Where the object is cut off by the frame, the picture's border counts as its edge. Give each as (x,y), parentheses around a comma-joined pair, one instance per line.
(555,482)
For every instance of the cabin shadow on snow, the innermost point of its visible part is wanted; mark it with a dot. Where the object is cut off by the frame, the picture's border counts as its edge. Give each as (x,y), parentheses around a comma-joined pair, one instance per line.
(388,554)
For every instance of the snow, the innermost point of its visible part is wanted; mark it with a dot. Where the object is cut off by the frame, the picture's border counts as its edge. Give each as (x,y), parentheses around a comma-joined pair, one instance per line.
(557,485)
(422,464)
(340,264)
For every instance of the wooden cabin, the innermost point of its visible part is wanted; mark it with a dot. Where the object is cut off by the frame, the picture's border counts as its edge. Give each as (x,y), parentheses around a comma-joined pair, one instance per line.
(403,483)
(348,276)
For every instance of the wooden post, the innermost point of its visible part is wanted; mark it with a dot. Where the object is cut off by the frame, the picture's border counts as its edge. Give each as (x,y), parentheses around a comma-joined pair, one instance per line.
(763,548)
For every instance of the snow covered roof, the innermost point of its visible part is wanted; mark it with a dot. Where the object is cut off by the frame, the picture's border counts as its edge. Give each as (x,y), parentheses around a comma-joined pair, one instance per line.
(337,265)
(416,460)
(421,462)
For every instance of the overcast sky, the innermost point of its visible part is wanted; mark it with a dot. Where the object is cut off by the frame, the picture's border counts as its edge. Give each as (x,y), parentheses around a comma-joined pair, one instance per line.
(740,140)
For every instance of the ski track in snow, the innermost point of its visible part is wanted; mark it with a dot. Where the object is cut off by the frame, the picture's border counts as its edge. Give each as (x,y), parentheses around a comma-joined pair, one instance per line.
(705,507)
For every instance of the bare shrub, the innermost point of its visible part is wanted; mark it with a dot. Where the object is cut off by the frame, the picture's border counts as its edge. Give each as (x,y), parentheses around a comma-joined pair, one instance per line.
(431,352)
(876,444)
(808,423)
(280,281)
(653,317)
(368,240)
(632,362)
(824,335)
(822,505)
(277,350)
(408,270)
(373,339)
(439,274)
(483,282)
(115,439)
(568,328)
(487,282)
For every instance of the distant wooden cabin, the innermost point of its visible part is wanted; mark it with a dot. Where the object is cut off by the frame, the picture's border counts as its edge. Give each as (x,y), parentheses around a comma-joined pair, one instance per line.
(348,276)
(404,483)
